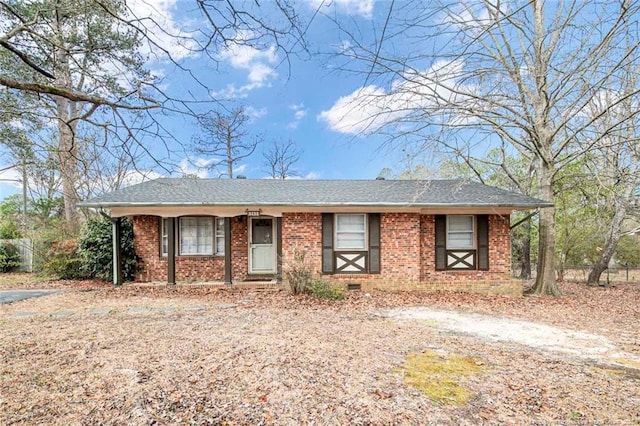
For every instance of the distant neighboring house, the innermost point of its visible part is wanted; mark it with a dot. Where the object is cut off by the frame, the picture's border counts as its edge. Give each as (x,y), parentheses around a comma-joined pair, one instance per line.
(371,234)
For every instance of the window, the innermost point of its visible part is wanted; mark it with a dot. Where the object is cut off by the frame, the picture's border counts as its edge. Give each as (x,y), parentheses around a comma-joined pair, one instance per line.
(351,232)
(462,242)
(196,236)
(460,233)
(220,236)
(164,238)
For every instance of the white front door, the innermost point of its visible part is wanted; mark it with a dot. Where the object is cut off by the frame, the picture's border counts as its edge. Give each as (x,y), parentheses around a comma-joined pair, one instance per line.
(262,245)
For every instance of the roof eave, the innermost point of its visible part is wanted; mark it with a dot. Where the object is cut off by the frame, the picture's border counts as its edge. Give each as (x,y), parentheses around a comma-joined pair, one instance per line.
(413,205)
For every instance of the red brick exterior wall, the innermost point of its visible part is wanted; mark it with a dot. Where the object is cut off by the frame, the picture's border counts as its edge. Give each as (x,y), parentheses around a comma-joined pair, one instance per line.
(497,279)
(407,258)
(302,232)
(407,255)
(239,248)
(400,246)
(153,267)
(499,253)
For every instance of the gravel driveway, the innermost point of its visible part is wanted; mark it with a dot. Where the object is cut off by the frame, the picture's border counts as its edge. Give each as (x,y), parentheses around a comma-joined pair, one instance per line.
(499,329)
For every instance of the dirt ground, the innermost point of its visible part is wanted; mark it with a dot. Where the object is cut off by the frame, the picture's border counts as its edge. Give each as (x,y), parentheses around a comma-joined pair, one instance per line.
(152,355)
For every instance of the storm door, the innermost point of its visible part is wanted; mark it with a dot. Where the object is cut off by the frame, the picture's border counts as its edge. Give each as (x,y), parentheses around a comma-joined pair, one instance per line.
(262,247)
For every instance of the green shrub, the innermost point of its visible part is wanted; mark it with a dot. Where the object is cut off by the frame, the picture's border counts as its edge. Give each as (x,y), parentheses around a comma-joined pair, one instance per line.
(63,261)
(9,257)
(95,248)
(9,229)
(298,273)
(323,289)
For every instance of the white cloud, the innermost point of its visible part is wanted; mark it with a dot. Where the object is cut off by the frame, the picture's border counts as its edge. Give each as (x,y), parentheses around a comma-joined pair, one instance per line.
(363,8)
(202,167)
(308,176)
(258,73)
(244,56)
(299,112)
(472,17)
(259,64)
(157,19)
(134,177)
(369,108)
(255,113)
(12,177)
(196,166)
(234,92)
(311,175)
(240,169)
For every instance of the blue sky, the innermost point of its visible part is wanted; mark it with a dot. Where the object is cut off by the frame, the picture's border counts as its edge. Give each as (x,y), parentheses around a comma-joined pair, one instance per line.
(292,103)
(300,102)
(330,114)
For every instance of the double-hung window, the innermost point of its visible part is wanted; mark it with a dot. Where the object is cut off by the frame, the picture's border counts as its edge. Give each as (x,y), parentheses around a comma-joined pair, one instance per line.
(351,231)
(197,236)
(220,236)
(460,232)
(350,243)
(164,237)
(462,242)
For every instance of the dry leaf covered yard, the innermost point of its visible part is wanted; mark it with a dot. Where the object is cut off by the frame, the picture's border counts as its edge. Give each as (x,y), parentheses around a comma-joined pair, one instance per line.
(203,356)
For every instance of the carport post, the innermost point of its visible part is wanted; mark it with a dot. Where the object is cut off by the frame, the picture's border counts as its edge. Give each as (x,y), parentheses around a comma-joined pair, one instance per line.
(171,251)
(227,250)
(116,226)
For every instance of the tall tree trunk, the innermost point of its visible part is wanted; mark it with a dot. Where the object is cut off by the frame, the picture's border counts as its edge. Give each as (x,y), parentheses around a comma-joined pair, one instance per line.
(611,243)
(67,146)
(543,141)
(546,271)
(229,155)
(525,260)
(68,171)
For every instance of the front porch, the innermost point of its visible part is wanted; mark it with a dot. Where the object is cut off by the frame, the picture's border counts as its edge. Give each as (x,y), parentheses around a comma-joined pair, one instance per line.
(242,251)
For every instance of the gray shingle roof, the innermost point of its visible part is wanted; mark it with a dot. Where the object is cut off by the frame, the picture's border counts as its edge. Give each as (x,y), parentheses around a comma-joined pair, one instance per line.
(241,192)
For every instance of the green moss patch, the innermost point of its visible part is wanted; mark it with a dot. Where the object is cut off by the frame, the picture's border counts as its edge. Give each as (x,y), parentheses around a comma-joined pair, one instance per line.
(440,377)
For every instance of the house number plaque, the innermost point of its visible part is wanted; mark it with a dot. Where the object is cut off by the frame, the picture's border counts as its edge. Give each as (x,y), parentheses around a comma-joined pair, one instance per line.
(253,212)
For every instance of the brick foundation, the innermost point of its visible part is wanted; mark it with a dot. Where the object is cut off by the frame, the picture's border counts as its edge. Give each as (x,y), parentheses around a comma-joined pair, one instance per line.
(407,247)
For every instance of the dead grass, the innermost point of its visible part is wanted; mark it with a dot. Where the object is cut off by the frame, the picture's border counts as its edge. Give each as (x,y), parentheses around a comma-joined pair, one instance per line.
(26,280)
(18,279)
(205,356)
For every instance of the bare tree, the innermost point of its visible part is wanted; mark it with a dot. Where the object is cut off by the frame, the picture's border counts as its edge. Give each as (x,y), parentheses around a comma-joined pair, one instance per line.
(85,65)
(225,140)
(615,165)
(280,157)
(468,76)
(103,170)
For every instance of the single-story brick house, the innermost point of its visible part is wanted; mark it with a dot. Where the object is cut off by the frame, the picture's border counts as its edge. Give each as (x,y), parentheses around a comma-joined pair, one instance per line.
(375,234)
